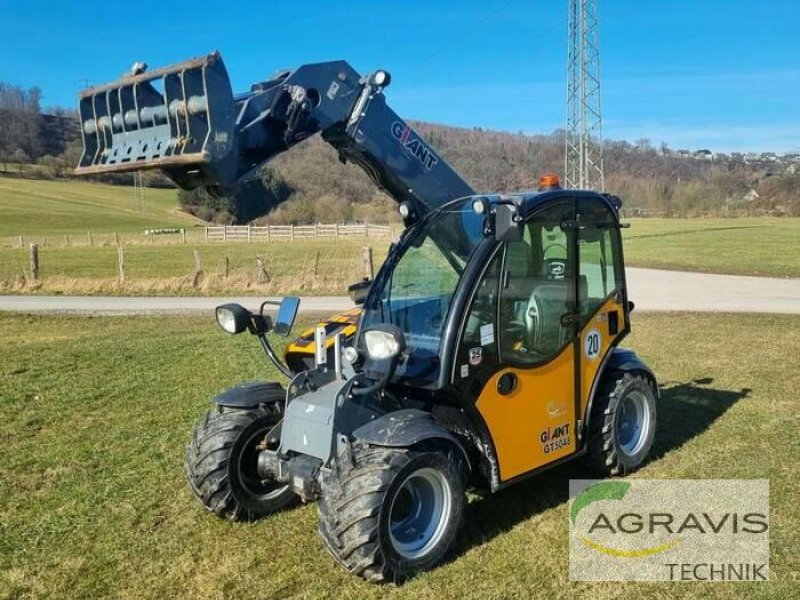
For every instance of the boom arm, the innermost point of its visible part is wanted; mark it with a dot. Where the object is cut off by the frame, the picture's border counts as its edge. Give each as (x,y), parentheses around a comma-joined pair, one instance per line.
(185,120)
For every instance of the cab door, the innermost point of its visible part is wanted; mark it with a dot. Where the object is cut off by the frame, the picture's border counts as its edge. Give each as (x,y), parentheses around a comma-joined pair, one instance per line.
(517,353)
(603,315)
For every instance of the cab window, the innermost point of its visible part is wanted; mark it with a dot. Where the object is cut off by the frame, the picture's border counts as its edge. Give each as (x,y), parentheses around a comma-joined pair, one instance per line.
(477,357)
(599,256)
(537,289)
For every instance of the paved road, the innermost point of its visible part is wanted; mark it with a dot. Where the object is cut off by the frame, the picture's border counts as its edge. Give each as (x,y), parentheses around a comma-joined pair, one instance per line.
(650,289)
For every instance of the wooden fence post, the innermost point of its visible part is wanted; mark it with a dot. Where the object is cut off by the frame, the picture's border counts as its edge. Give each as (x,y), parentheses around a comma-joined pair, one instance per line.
(316,265)
(224,233)
(291,232)
(183,235)
(198,268)
(89,237)
(22,241)
(121,263)
(366,257)
(34,260)
(227,267)
(261,273)
(269,233)
(366,230)
(206,234)
(336,232)
(249,234)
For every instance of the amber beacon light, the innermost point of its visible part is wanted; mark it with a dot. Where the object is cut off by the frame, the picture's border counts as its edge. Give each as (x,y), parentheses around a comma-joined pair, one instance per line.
(549,181)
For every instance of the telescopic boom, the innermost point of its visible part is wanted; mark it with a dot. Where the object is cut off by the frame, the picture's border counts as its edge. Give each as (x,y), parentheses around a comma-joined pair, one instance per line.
(186,121)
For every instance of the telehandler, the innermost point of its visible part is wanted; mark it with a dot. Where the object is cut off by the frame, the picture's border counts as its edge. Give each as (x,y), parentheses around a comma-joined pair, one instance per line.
(485,351)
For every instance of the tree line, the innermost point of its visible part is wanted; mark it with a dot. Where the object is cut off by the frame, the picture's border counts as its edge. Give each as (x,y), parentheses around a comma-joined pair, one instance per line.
(309,183)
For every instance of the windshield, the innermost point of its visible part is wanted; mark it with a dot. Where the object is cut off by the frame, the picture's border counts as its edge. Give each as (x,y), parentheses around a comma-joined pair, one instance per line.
(417,292)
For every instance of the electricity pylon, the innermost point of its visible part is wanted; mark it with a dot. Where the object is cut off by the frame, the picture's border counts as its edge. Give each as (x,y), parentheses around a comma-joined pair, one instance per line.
(138,191)
(583,168)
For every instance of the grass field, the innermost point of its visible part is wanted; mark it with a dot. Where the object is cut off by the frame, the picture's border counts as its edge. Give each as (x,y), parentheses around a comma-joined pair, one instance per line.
(50,209)
(95,412)
(744,246)
(38,207)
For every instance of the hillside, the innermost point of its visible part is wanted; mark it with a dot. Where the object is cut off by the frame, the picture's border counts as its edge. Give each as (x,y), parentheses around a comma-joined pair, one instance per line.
(650,180)
(39,207)
(309,184)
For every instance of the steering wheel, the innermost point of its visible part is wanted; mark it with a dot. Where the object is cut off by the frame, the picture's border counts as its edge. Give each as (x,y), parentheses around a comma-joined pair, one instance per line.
(554,245)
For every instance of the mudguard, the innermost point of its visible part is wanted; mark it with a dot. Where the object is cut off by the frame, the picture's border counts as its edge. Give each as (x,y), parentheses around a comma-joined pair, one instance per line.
(624,359)
(250,394)
(620,360)
(403,428)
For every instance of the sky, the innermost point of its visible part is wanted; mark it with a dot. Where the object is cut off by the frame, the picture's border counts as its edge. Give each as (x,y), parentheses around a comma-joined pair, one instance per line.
(694,74)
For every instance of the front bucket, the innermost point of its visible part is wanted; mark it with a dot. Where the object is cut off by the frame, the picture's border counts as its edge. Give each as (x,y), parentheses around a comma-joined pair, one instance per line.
(179,119)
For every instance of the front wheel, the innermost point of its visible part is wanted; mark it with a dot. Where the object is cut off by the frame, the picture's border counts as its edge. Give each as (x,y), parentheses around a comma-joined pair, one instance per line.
(390,513)
(622,425)
(222,458)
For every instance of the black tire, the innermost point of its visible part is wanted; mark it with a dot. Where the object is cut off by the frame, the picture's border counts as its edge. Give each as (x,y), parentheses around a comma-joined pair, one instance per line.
(359,495)
(612,449)
(221,463)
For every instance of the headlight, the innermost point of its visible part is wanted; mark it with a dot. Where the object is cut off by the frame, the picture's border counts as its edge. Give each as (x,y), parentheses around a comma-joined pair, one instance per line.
(233,318)
(381,78)
(480,206)
(384,342)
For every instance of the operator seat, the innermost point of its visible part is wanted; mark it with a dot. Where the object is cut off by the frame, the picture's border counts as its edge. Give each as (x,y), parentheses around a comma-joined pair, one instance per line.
(549,301)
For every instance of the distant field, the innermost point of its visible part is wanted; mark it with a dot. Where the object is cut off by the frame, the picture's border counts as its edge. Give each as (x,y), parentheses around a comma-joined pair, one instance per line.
(744,246)
(39,207)
(46,211)
(95,414)
(759,246)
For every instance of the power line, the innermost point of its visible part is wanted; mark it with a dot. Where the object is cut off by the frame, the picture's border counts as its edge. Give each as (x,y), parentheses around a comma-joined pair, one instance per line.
(459,39)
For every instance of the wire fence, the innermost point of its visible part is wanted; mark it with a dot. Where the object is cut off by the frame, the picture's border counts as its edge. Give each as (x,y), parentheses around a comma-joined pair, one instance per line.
(317,265)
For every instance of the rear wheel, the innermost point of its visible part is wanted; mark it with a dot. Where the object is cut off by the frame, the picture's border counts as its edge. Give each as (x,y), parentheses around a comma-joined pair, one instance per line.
(622,424)
(221,463)
(389,512)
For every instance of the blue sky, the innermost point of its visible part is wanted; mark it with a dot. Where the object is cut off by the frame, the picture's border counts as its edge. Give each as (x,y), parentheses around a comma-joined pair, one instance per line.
(722,75)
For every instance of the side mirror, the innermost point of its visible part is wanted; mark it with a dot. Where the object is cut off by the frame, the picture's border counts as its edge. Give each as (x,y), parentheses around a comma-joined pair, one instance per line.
(507,226)
(358,291)
(286,315)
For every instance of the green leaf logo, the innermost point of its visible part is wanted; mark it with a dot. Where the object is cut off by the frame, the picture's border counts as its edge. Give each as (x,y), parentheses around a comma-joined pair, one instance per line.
(605,490)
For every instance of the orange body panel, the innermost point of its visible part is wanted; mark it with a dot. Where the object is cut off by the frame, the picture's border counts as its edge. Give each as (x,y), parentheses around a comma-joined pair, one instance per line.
(590,366)
(523,423)
(536,424)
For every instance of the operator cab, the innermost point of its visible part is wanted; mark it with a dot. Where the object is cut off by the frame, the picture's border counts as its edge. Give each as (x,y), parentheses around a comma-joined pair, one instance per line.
(487,282)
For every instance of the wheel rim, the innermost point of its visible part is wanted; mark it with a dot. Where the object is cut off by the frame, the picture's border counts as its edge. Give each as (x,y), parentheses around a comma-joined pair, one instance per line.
(252,483)
(633,423)
(419,513)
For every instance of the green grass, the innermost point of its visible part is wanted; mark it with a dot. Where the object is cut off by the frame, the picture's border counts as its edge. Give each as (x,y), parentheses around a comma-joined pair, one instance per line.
(36,207)
(758,246)
(52,209)
(95,413)
(761,246)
